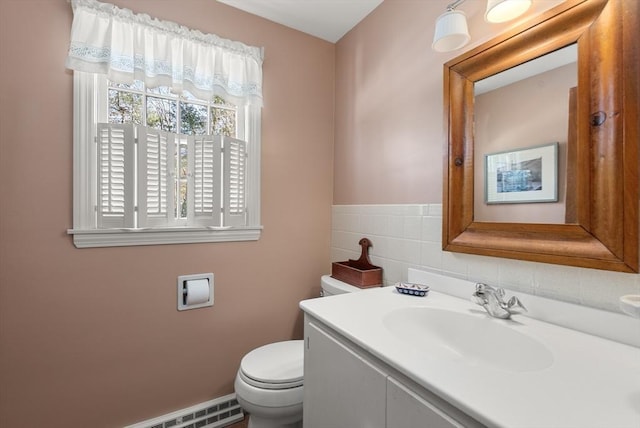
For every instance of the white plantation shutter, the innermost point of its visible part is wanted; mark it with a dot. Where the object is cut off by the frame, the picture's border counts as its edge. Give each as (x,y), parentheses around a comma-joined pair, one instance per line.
(216,178)
(116,179)
(206,189)
(156,176)
(235,168)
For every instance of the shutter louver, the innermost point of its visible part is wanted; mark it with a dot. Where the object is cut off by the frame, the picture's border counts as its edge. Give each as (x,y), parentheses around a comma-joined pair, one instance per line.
(206,151)
(156,172)
(235,166)
(116,152)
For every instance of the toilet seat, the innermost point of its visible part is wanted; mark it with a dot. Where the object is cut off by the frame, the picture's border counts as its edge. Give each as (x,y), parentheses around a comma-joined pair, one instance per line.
(274,366)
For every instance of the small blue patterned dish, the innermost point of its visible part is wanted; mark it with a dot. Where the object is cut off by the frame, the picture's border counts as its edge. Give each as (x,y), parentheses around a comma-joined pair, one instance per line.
(412,289)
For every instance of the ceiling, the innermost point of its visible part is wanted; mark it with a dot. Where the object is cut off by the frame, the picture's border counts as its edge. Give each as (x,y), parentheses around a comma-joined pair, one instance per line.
(326,19)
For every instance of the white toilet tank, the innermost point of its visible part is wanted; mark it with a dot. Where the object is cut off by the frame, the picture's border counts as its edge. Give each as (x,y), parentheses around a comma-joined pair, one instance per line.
(331,286)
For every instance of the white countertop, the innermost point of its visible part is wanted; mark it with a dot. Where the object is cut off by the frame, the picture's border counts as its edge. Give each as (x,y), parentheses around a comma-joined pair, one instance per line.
(592,381)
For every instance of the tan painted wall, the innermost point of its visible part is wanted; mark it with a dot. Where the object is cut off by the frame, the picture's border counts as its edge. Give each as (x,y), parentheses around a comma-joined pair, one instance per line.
(91,337)
(389,125)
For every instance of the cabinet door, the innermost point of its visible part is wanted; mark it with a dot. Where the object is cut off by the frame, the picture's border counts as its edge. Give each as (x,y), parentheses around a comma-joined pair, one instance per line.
(341,390)
(406,409)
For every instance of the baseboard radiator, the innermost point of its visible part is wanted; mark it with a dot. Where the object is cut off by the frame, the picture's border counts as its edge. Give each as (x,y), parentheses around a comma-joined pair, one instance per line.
(219,412)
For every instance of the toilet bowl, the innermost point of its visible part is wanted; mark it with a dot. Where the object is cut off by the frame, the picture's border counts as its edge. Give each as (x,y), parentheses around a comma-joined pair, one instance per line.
(269,382)
(269,385)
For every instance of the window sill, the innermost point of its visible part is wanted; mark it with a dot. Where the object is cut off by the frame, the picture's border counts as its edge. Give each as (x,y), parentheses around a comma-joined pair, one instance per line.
(93,238)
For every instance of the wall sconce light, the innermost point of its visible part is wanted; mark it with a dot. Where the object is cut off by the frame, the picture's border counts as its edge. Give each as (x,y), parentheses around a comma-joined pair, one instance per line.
(451,30)
(505,10)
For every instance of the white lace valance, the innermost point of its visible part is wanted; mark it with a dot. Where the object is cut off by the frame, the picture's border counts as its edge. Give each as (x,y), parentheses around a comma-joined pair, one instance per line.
(126,46)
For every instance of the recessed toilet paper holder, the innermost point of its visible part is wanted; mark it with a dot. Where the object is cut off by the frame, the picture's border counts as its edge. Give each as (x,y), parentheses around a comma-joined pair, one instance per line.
(195,291)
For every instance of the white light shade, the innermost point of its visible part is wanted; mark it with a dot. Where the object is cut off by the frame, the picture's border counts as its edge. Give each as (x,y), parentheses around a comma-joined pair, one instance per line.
(505,10)
(451,31)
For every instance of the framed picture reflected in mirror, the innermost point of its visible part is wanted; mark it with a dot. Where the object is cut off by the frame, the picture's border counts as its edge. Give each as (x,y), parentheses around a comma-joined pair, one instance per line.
(528,175)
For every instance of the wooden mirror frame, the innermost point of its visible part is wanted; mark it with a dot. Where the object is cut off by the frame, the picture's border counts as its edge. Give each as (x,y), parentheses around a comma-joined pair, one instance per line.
(605,233)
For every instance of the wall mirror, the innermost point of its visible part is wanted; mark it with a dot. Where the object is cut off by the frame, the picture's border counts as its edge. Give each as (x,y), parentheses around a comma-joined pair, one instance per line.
(518,114)
(597,160)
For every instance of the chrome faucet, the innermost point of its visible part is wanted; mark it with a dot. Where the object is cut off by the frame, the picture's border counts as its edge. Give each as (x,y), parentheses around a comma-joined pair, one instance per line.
(492,300)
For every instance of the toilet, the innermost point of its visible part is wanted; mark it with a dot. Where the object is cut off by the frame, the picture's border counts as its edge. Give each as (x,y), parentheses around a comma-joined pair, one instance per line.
(269,383)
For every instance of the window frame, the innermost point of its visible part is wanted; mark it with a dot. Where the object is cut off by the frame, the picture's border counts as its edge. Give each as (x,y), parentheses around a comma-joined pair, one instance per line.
(89,90)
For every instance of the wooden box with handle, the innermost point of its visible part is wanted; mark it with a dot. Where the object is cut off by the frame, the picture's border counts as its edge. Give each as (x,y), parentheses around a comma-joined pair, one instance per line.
(361,272)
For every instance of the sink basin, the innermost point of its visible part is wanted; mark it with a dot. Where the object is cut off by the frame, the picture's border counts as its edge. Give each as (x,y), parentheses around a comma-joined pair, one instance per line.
(468,339)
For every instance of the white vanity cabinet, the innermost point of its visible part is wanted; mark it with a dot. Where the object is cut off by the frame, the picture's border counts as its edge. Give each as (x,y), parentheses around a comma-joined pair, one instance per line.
(347,387)
(373,359)
(341,389)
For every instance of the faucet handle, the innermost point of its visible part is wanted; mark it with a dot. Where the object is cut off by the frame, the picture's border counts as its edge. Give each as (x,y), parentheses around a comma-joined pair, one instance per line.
(481,287)
(514,302)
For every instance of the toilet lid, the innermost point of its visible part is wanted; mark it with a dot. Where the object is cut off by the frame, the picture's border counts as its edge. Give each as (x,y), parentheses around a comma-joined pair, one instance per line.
(274,366)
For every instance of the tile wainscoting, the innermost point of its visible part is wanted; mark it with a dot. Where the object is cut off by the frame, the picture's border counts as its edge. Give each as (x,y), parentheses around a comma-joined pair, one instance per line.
(405,236)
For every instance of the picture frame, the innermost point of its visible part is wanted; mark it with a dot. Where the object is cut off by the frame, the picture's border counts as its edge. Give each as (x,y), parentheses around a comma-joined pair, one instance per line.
(528,175)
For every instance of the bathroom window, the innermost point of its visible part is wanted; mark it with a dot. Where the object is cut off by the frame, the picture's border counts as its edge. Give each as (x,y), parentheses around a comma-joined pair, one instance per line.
(154,163)
(164,167)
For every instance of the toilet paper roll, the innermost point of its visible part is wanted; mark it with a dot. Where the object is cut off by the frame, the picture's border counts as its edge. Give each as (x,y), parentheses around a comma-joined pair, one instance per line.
(197,291)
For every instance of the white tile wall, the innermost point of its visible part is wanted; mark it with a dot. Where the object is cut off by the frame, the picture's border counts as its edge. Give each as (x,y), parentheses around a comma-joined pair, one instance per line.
(405,236)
